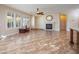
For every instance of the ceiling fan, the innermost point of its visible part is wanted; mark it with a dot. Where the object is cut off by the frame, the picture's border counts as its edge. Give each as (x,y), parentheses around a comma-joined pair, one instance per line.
(38,12)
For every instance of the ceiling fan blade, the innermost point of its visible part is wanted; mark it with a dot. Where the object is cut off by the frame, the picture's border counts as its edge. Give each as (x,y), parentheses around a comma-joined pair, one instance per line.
(39,12)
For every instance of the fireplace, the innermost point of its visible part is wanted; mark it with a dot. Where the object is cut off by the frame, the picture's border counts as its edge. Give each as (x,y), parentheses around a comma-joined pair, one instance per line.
(48,26)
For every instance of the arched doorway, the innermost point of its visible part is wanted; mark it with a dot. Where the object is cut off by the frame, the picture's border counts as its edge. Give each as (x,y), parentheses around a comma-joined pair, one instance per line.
(63,22)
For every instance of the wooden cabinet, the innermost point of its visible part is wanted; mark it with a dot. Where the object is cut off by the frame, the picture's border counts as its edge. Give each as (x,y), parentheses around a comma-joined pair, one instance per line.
(71,36)
(74,36)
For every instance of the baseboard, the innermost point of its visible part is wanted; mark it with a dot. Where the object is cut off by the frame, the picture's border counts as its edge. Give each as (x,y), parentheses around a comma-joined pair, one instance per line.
(36,29)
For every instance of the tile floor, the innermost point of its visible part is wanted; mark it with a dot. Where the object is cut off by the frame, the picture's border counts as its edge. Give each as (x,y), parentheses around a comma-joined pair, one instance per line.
(38,42)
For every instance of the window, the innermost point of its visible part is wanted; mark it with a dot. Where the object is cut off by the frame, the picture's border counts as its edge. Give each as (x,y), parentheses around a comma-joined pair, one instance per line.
(10,20)
(18,19)
(24,21)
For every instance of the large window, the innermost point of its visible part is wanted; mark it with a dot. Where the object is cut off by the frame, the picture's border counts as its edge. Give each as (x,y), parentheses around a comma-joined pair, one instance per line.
(25,21)
(18,19)
(10,20)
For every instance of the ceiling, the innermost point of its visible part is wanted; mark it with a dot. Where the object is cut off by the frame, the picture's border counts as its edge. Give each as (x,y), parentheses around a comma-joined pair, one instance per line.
(46,8)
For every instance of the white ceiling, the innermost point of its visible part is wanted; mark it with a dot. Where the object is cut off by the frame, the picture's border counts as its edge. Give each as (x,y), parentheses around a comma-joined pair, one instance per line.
(47,8)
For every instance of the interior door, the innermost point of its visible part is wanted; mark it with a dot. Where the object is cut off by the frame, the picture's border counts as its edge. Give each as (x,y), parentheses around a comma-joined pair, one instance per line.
(63,22)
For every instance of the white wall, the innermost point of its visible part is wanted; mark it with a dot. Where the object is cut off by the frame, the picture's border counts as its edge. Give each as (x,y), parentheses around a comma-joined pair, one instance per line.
(33,22)
(73,19)
(71,15)
(40,22)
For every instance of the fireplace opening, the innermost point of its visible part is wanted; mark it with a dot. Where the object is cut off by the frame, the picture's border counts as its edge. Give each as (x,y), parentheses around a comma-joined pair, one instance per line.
(48,26)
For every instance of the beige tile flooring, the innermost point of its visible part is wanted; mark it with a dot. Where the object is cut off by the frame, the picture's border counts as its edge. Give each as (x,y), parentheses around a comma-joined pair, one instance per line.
(38,42)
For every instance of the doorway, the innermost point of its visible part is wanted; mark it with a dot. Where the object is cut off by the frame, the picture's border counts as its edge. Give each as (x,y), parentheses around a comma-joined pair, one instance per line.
(63,22)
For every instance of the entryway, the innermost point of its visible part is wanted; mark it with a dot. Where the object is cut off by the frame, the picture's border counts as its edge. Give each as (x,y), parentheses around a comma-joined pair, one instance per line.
(63,22)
